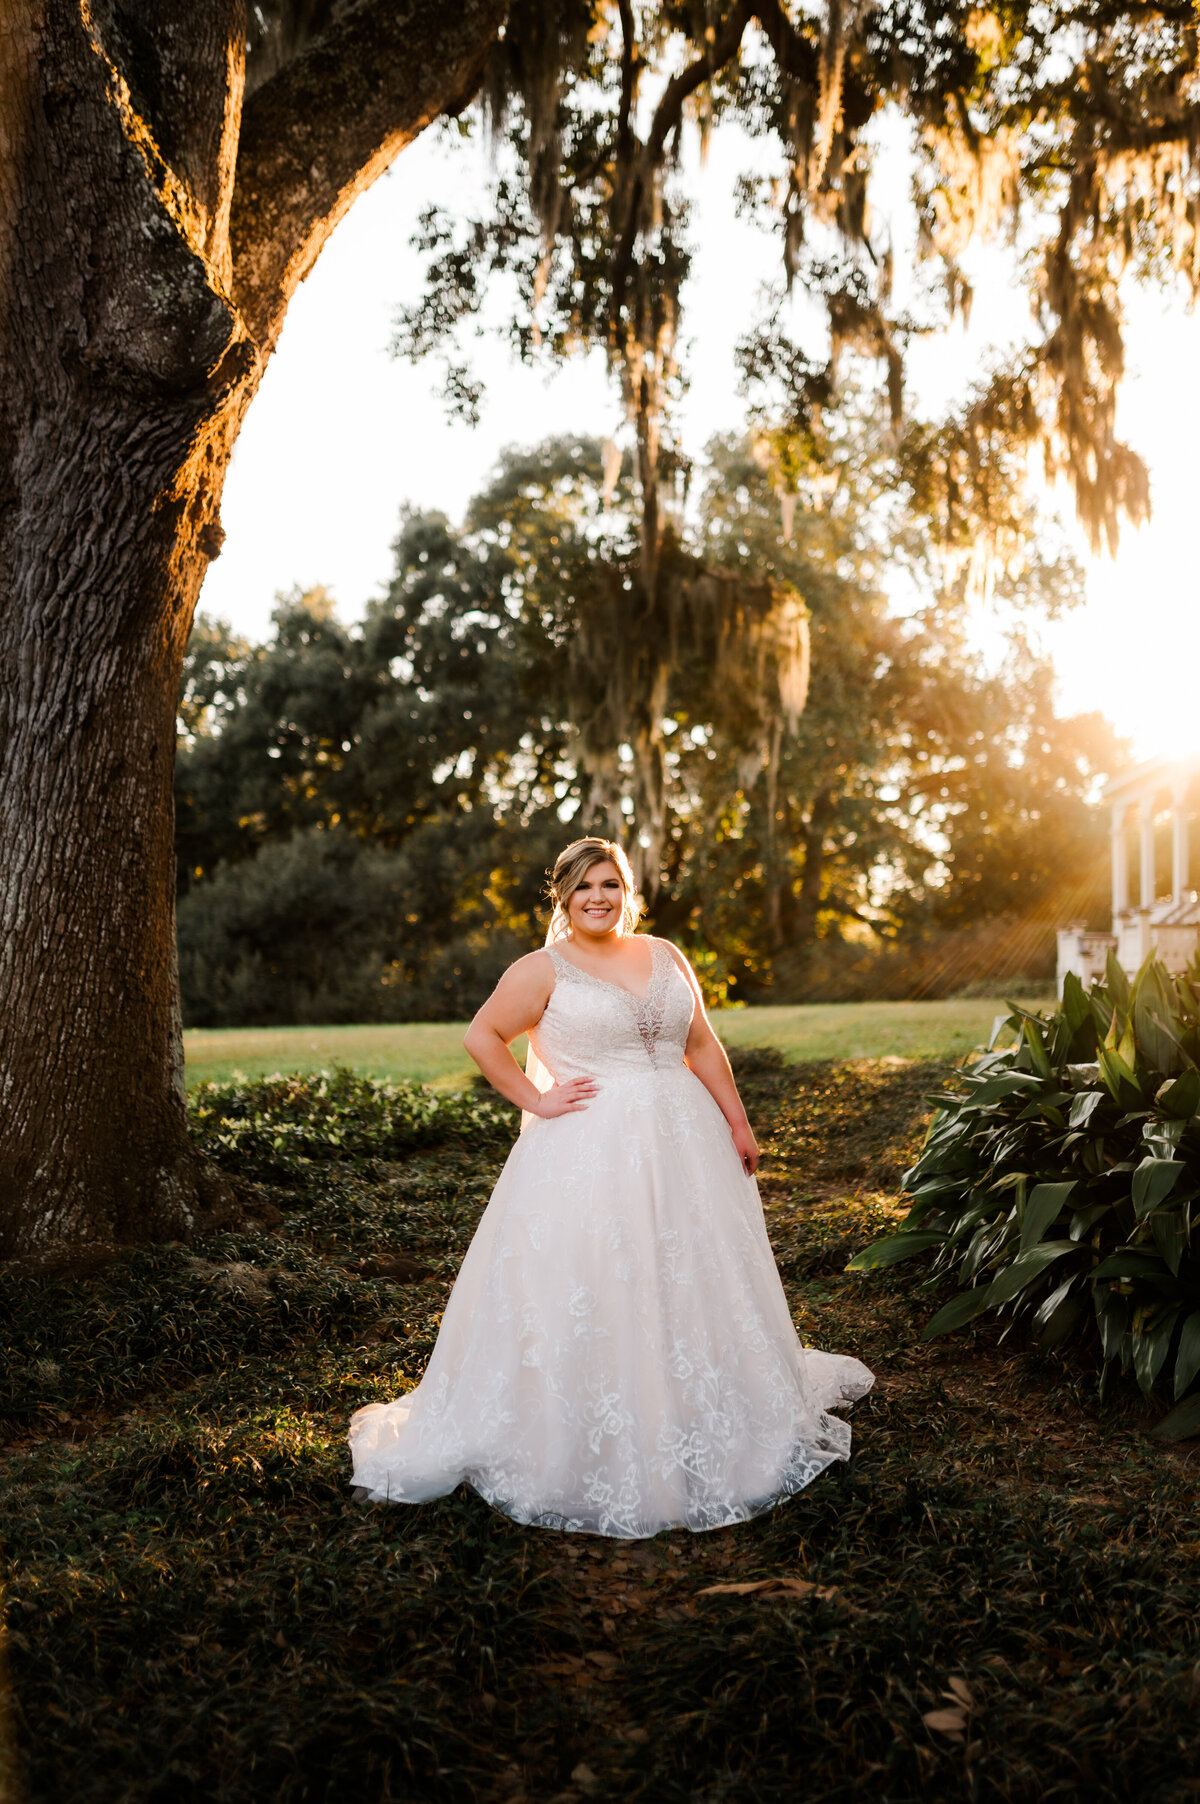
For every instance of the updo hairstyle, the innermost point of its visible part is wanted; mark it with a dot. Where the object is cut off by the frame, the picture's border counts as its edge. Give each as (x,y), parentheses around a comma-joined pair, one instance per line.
(572,866)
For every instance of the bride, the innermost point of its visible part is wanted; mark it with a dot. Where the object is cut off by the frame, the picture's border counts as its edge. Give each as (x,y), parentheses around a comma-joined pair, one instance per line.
(617,1355)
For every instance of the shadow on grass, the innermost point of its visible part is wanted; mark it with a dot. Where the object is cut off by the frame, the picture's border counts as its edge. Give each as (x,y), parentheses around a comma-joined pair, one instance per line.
(198,1611)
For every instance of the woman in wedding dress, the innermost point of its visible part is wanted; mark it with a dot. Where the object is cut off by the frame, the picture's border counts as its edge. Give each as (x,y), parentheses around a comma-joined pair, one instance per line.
(617,1355)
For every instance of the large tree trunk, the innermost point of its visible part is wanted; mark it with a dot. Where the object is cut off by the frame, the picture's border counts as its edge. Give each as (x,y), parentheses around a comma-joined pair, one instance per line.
(98,592)
(142,289)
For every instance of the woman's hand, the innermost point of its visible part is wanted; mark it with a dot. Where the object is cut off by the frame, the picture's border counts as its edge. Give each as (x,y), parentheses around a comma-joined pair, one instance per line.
(568,1098)
(747,1147)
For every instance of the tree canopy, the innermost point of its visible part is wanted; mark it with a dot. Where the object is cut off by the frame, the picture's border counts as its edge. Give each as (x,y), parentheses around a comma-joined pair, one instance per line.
(1074,130)
(366,813)
(1071,136)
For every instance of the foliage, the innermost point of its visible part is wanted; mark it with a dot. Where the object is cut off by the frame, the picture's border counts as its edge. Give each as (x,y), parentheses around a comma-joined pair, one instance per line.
(1074,129)
(1059,1177)
(325,928)
(996,1597)
(585,234)
(277,1127)
(920,792)
(366,814)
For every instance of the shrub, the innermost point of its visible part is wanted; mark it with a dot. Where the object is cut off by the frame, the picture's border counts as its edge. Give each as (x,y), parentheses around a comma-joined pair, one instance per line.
(1059,1176)
(323,927)
(276,1127)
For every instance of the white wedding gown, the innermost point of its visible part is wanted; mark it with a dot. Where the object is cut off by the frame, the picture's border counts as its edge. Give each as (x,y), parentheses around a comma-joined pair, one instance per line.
(617,1355)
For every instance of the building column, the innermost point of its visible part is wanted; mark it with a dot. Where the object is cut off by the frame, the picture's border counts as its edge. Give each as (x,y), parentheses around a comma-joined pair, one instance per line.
(1146,807)
(1179,842)
(1120,864)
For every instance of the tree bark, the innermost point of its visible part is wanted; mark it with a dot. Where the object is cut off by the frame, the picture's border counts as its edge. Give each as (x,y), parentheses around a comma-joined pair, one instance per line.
(135,324)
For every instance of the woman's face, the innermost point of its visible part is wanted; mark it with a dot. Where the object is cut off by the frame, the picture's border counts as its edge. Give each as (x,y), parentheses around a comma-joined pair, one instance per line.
(597,907)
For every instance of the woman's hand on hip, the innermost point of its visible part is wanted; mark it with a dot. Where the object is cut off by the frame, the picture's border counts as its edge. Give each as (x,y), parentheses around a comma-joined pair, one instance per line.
(568,1098)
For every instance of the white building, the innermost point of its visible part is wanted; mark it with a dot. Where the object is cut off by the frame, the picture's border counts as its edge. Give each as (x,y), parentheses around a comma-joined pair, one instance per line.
(1166,924)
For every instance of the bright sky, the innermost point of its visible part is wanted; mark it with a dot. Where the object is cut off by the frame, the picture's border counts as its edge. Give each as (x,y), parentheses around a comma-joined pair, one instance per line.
(341,435)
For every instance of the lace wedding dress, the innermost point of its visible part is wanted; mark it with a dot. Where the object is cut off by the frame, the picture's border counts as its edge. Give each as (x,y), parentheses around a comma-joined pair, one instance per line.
(617,1355)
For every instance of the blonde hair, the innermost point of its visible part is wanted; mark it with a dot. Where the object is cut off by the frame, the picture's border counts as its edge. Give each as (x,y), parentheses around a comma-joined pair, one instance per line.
(572,866)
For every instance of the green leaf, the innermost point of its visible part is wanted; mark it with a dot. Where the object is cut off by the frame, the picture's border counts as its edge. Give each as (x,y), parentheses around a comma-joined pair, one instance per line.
(1181,1097)
(1049,1304)
(893,1248)
(1061,1322)
(1161,1047)
(1150,1350)
(1075,1005)
(1117,1077)
(999,1023)
(958,1312)
(1012,1180)
(1026,1268)
(1084,1218)
(1037,1052)
(1187,1354)
(995,1089)
(1130,1262)
(1153,1180)
(1127,1047)
(1112,1320)
(1182,1423)
(1170,1232)
(1045,1205)
(1084,1107)
(1116,982)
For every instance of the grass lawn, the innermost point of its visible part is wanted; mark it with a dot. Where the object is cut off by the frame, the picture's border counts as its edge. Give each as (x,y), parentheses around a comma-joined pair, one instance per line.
(994,1601)
(431,1052)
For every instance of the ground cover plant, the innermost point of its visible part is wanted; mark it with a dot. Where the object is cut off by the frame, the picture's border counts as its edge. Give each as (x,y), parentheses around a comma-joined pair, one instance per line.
(1060,1181)
(995,1600)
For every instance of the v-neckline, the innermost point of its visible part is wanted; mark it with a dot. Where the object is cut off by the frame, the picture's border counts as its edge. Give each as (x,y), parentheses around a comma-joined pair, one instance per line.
(608,982)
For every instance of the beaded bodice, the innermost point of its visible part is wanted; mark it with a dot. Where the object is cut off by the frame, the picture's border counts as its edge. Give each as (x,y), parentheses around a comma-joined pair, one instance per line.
(593,1028)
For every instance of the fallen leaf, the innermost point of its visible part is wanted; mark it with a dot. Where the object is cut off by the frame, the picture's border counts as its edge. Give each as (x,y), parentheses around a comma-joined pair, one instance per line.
(739,1590)
(946,1722)
(961,1691)
(791,1587)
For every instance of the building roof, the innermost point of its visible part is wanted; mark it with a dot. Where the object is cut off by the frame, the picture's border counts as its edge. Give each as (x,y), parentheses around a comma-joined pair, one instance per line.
(1155,774)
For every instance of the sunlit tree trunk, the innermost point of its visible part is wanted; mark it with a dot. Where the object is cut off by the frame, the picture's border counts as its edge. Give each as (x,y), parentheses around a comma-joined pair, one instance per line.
(152,230)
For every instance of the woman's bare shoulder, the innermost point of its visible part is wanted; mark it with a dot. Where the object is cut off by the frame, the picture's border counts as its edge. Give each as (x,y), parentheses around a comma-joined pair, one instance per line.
(538,966)
(525,986)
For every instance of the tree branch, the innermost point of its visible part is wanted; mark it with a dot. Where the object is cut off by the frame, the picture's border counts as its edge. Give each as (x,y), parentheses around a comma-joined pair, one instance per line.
(795,55)
(317,134)
(667,116)
(184,66)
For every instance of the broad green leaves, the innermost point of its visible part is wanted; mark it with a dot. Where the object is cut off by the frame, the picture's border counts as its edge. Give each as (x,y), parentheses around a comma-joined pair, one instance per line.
(1059,1176)
(1043,1209)
(893,1249)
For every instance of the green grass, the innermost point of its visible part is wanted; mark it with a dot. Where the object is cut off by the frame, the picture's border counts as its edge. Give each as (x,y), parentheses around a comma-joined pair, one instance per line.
(198,1613)
(431,1052)
(419,1052)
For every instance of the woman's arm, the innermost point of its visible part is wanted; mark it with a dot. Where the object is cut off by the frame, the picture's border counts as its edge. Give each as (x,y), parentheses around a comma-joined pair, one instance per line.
(706,1056)
(514,1006)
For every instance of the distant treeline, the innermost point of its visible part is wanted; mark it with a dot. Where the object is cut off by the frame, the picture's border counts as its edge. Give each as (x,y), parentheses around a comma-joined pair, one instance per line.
(366,814)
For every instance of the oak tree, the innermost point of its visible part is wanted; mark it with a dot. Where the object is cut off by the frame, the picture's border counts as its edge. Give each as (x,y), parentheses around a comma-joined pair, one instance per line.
(169,172)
